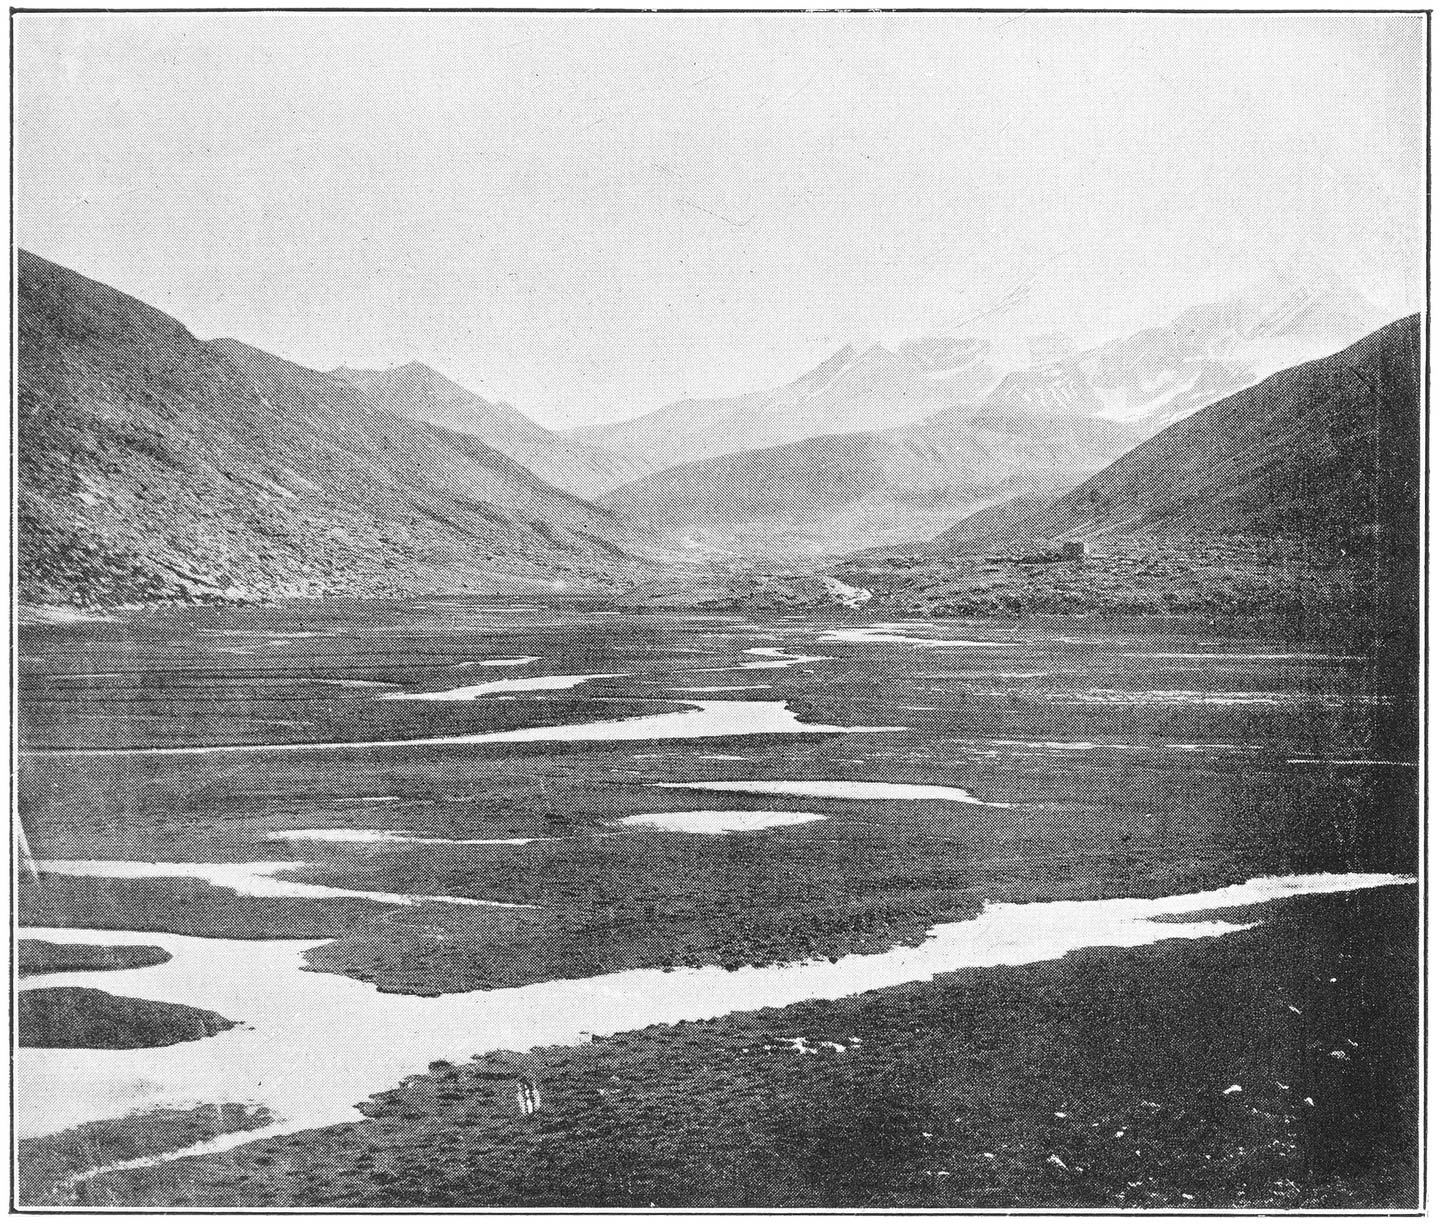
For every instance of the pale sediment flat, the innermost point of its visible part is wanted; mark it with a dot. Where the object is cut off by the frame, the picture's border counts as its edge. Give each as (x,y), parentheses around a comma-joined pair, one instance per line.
(258,879)
(1229,655)
(883,634)
(776,658)
(1197,697)
(711,822)
(386,835)
(708,719)
(343,683)
(1067,745)
(1215,748)
(1097,746)
(843,789)
(53,614)
(1347,761)
(719,688)
(530,684)
(844,593)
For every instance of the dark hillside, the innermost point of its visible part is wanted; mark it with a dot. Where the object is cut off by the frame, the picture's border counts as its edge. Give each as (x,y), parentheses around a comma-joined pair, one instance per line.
(835,493)
(153,466)
(1327,450)
(423,394)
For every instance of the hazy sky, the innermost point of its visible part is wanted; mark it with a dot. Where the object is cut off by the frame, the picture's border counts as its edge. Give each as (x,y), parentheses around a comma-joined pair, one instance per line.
(593,215)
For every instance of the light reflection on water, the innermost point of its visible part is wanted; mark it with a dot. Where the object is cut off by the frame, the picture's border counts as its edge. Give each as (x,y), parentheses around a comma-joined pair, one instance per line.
(311,1046)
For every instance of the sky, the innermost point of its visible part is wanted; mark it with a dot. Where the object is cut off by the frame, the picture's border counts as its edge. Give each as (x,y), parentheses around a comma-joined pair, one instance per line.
(593,215)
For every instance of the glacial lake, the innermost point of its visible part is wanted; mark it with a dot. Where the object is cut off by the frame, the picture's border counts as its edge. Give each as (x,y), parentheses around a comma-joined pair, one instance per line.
(253,783)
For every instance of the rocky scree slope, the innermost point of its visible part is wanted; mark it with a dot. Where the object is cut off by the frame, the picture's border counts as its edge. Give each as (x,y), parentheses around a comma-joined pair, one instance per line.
(155,466)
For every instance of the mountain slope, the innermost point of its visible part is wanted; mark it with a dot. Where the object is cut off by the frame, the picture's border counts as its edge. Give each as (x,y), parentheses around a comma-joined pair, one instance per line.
(838,493)
(422,394)
(153,465)
(994,522)
(1299,310)
(851,391)
(1326,450)
(1296,499)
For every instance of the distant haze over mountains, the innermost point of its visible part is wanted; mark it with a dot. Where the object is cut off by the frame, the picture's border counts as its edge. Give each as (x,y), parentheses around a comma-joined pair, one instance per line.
(1325,451)
(1300,310)
(854,390)
(836,493)
(764,474)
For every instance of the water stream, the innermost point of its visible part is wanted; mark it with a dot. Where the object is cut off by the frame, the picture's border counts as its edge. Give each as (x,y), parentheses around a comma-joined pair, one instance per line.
(707,719)
(313,1045)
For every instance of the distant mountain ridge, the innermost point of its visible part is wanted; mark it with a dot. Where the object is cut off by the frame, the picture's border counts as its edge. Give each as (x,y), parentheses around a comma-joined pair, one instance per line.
(423,394)
(1297,311)
(833,494)
(852,391)
(1159,375)
(155,466)
(1296,501)
(1327,449)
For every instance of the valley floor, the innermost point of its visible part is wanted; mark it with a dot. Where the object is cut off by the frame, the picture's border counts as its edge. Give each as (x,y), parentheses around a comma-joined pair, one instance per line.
(1223,577)
(234,774)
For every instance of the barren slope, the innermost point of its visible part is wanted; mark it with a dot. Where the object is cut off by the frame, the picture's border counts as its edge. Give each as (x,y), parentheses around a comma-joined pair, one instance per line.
(152,465)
